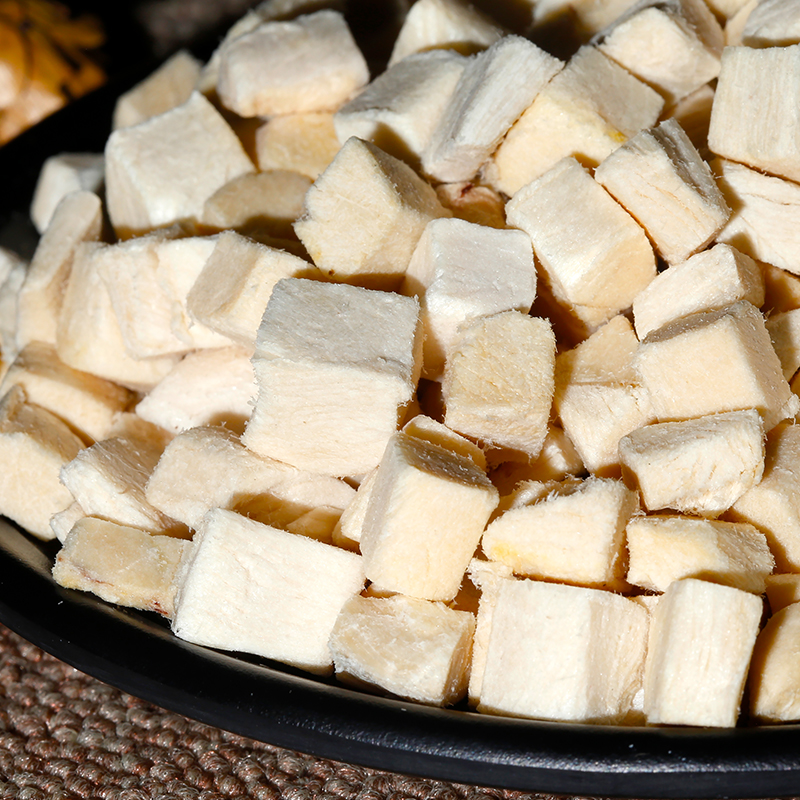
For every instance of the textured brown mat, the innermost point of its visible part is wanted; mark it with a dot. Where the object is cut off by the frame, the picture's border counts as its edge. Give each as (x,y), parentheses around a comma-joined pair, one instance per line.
(66,735)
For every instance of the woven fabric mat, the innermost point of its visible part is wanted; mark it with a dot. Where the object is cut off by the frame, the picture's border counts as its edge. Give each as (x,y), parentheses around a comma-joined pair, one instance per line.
(66,735)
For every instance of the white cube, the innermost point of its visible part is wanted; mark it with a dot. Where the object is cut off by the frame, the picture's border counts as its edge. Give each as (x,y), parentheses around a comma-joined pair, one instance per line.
(251,588)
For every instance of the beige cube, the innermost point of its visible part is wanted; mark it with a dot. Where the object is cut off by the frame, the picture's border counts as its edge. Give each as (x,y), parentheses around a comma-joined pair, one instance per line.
(364,216)
(166,88)
(596,416)
(764,212)
(62,522)
(38,444)
(451,24)
(207,387)
(663,549)
(249,21)
(486,577)
(599,396)
(735,24)
(61,175)
(496,86)
(328,68)
(77,218)
(591,250)
(122,565)
(148,279)
(267,201)
(588,110)
(498,385)
(350,525)
(783,589)
(426,513)
(754,117)
(784,331)
(773,504)
(207,467)
(772,23)
(88,404)
(693,114)
(409,647)
(429,430)
(674,47)
(697,466)
(400,109)
(585,648)
(473,202)
(557,459)
(604,357)
(108,480)
(715,361)
(462,271)
(713,279)
(774,671)
(304,143)
(575,533)
(231,291)
(13,270)
(781,289)
(160,172)
(661,179)
(700,647)
(330,398)
(255,589)
(89,337)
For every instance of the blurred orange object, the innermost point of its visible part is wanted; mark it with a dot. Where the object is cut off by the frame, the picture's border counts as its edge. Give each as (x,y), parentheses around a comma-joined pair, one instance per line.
(45,61)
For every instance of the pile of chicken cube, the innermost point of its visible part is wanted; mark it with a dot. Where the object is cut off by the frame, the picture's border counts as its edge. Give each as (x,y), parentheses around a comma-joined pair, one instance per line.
(475,378)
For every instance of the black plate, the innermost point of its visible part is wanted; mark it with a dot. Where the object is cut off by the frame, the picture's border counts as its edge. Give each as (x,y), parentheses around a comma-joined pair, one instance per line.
(137,653)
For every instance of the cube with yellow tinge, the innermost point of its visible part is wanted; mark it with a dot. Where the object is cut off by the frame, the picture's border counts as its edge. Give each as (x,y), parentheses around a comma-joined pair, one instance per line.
(592,252)
(431,24)
(773,504)
(38,444)
(410,647)
(167,87)
(587,110)
(498,385)
(425,516)
(697,466)
(715,361)
(574,533)
(663,549)
(123,565)
(774,678)
(364,215)
(84,401)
